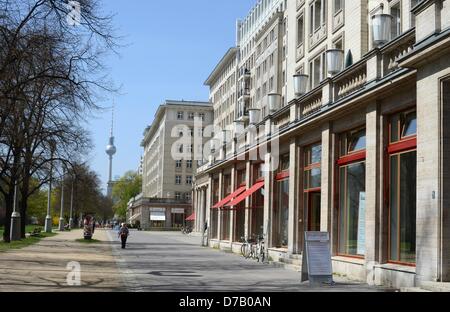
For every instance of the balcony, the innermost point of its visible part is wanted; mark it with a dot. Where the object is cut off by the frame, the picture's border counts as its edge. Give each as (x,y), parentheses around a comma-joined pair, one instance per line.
(350,81)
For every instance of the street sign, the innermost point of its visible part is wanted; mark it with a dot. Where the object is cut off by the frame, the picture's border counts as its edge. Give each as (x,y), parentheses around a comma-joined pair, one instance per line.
(316,265)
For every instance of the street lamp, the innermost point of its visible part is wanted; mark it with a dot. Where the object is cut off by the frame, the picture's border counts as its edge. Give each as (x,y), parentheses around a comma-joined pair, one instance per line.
(335,61)
(381,29)
(300,84)
(274,102)
(48,218)
(15,218)
(71,205)
(61,217)
(255,116)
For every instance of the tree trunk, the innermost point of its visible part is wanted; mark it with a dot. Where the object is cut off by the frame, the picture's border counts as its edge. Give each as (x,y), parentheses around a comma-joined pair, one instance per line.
(9,199)
(24,206)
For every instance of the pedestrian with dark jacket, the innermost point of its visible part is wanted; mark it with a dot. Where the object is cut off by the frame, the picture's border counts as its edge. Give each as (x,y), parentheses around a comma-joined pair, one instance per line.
(123,235)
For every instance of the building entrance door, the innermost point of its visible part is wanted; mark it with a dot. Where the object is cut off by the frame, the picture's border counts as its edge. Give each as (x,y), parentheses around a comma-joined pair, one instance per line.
(314,199)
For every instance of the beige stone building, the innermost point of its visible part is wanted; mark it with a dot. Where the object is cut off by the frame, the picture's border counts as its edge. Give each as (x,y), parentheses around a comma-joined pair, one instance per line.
(169,164)
(353,134)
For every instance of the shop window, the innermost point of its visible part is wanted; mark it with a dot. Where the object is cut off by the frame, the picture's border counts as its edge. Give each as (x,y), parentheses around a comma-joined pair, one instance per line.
(214,212)
(225,229)
(352,193)
(281,204)
(312,185)
(402,187)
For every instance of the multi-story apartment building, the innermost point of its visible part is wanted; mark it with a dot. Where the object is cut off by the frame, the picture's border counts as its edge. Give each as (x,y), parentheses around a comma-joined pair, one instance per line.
(356,147)
(169,164)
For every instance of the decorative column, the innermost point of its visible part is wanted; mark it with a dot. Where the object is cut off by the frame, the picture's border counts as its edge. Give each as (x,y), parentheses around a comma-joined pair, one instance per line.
(293,196)
(219,217)
(373,184)
(268,194)
(232,213)
(248,212)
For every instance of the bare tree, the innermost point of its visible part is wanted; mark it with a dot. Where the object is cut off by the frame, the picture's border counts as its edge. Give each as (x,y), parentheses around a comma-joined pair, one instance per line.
(51,75)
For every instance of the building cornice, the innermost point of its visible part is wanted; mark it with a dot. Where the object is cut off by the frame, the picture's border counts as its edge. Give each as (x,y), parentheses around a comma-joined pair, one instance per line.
(231,53)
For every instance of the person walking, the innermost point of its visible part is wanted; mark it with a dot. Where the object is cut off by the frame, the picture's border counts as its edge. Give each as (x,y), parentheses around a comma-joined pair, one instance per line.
(205,235)
(123,235)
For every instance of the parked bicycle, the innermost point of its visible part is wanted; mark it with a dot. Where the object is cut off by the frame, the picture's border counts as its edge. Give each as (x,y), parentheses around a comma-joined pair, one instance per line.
(247,247)
(261,249)
(254,248)
(186,230)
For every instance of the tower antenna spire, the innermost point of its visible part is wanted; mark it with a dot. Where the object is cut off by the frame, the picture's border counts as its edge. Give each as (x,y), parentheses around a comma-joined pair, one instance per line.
(112,118)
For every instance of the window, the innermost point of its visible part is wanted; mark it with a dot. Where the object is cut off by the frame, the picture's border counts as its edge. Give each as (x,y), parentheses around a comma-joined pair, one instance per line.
(215,212)
(352,193)
(317,17)
(189,180)
(396,29)
(179,164)
(281,204)
(202,116)
(300,30)
(187,196)
(180,115)
(402,187)
(177,195)
(271,84)
(191,116)
(413,3)
(189,164)
(226,213)
(178,180)
(317,69)
(271,60)
(312,182)
(337,6)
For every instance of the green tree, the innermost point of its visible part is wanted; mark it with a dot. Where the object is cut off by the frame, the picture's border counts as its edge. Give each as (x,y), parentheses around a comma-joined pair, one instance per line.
(37,204)
(128,186)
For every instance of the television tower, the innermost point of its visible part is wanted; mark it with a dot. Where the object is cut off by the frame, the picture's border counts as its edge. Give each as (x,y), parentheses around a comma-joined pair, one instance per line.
(111,150)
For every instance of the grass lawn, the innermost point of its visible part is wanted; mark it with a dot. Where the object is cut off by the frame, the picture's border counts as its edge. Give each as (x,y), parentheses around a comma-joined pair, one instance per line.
(25,242)
(87,241)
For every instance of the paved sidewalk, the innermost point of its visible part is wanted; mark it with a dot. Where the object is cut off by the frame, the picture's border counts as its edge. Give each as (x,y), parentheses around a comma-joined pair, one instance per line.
(43,267)
(170,261)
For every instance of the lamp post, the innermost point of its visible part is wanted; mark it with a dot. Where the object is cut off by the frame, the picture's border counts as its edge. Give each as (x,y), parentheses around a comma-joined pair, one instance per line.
(48,218)
(71,205)
(15,218)
(61,217)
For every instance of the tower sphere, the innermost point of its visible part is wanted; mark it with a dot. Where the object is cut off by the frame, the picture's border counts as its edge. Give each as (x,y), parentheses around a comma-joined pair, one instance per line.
(111,149)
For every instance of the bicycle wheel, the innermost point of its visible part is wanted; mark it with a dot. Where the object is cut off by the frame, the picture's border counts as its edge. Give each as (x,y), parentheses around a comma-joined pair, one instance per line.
(262,255)
(243,250)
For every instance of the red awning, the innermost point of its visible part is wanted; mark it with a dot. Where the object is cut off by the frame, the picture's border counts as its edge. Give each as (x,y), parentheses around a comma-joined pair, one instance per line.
(191,218)
(249,192)
(229,197)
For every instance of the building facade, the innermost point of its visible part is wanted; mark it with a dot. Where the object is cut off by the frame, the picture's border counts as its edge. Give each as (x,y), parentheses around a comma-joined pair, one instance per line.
(169,164)
(352,141)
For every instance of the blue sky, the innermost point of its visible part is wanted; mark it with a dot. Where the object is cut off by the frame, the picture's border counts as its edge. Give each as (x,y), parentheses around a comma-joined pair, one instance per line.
(172,46)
